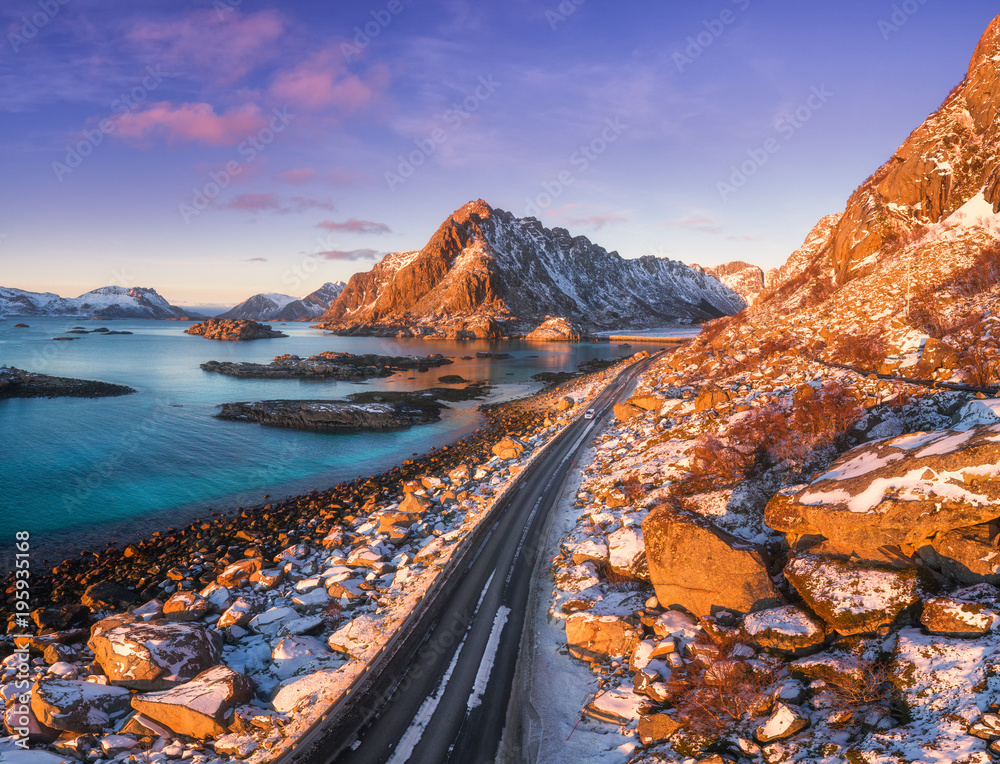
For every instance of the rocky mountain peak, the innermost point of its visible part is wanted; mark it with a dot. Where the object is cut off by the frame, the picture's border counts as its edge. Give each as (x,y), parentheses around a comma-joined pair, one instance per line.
(487,272)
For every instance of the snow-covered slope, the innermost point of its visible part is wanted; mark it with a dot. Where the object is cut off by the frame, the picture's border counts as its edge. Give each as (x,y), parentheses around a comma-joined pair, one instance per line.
(106,302)
(485,264)
(284,307)
(260,307)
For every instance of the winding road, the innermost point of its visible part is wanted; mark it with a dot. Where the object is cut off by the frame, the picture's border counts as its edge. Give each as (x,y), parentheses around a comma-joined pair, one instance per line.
(444,694)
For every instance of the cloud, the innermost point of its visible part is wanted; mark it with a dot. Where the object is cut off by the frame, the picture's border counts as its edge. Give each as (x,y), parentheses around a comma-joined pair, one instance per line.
(297,177)
(255,260)
(339,176)
(194,122)
(323,81)
(269,202)
(252,203)
(355,226)
(745,237)
(351,254)
(223,48)
(698,223)
(597,221)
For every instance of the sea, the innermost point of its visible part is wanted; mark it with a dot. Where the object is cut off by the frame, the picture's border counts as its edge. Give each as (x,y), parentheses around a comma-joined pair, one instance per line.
(76,473)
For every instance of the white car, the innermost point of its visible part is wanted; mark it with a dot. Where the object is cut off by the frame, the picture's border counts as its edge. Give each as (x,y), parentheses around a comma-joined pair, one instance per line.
(589,414)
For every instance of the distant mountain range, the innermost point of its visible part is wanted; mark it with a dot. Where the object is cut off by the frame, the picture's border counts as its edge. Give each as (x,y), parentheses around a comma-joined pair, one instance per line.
(283,307)
(106,302)
(487,274)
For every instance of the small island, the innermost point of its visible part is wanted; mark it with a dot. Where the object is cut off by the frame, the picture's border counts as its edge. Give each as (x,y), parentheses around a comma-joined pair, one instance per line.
(374,411)
(233,330)
(343,367)
(18,383)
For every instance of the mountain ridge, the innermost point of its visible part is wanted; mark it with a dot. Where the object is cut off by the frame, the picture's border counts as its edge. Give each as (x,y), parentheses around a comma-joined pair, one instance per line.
(485,273)
(282,307)
(103,302)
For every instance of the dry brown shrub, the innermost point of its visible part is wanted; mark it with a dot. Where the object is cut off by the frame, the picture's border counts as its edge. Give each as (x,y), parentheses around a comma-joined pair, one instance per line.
(633,487)
(712,698)
(980,368)
(864,351)
(618,581)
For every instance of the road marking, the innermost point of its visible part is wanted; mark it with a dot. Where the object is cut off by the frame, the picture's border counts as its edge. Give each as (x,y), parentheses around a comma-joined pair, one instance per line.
(483,595)
(524,535)
(412,736)
(486,665)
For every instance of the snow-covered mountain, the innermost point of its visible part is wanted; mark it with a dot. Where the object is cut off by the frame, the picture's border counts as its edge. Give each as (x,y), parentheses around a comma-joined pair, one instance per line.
(106,302)
(486,273)
(283,307)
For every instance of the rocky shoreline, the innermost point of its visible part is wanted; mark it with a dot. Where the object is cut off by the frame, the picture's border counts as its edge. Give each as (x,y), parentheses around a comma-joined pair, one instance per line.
(18,383)
(343,367)
(224,590)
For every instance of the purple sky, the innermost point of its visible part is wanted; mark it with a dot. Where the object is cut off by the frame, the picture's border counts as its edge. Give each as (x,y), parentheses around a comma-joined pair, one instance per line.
(213,151)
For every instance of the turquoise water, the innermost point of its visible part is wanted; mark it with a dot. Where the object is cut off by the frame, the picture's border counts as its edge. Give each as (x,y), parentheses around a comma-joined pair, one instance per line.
(79,472)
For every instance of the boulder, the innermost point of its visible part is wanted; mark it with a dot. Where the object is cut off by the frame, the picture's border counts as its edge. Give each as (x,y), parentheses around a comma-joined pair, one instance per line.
(148,656)
(966,555)
(596,638)
(508,448)
(414,505)
(186,606)
(894,497)
(784,722)
(239,613)
(698,567)
(198,708)
(935,355)
(625,412)
(113,745)
(78,706)
(947,617)
(853,597)
(655,728)
(108,595)
(565,403)
(711,398)
(626,553)
(788,630)
(270,622)
(618,706)
(293,653)
(238,574)
(646,402)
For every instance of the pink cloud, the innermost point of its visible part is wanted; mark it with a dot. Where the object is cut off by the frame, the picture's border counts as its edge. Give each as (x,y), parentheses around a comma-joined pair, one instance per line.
(351,254)
(196,122)
(355,226)
(221,48)
(323,81)
(340,176)
(696,223)
(252,202)
(597,221)
(297,177)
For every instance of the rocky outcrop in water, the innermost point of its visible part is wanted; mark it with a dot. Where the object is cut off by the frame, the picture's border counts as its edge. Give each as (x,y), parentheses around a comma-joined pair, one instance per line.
(17,383)
(329,365)
(233,330)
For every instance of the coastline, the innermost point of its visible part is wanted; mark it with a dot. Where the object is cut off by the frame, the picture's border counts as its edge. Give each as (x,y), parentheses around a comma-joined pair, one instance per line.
(265,528)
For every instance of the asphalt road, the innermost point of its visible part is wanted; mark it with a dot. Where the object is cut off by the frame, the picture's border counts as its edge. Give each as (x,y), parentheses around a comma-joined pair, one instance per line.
(446,697)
